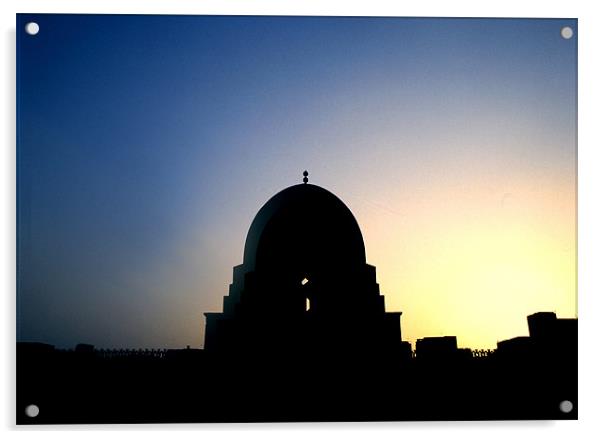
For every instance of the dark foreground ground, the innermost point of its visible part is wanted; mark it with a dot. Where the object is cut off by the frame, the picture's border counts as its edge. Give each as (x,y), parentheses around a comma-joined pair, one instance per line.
(193,386)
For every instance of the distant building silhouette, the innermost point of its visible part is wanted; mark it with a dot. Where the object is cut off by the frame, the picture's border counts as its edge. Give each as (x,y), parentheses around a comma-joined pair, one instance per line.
(549,337)
(437,348)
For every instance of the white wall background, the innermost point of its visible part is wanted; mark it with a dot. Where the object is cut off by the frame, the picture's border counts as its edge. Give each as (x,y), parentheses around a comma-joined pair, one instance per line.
(590,219)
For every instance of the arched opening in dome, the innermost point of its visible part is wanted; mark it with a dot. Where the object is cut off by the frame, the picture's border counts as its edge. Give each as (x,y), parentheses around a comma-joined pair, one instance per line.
(306,287)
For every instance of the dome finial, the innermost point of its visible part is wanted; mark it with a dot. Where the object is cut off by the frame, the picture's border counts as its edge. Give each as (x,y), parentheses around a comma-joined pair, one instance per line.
(305,174)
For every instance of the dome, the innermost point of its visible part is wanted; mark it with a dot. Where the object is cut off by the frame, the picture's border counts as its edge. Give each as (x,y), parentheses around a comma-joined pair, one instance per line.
(304,285)
(304,228)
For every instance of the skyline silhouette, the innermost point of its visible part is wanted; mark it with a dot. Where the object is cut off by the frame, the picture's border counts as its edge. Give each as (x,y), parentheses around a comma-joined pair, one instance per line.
(304,336)
(327,227)
(146,146)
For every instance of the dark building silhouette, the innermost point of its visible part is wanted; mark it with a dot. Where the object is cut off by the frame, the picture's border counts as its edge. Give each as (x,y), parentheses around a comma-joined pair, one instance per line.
(437,348)
(517,347)
(84,348)
(304,285)
(548,331)
(304,336)
(549,336)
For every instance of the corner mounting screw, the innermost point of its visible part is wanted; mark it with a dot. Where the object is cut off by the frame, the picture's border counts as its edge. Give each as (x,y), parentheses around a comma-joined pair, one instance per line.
(305,174)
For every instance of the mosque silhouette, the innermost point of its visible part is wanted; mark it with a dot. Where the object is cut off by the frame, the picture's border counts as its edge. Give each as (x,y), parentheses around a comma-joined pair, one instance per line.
(304,336)
(304,285)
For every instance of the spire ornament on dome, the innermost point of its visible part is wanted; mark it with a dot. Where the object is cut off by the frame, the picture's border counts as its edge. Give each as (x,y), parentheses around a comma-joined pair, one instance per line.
(305,174)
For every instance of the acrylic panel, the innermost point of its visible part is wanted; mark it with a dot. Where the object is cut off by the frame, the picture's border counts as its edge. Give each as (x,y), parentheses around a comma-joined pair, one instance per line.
(278,218)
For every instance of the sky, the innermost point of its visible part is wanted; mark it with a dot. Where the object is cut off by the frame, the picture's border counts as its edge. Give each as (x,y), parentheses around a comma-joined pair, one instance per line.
(146,145)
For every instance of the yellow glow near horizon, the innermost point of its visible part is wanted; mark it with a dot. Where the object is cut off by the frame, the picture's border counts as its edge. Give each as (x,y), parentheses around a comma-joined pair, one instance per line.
(474,262)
